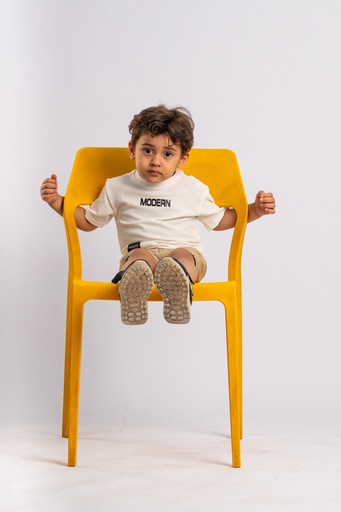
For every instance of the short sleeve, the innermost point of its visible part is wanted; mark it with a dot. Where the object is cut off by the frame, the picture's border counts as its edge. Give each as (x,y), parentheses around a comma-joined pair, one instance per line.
(210,213)
(101,211)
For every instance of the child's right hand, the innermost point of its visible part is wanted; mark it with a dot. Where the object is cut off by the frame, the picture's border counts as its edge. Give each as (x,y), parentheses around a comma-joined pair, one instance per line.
(49,194)
(49,190)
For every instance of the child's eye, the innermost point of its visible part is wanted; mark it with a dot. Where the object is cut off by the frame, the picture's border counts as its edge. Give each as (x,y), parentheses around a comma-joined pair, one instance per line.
(148,151)
(168,154)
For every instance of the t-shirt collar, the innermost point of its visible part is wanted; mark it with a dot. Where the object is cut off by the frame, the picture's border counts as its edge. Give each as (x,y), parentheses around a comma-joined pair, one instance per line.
(162,184)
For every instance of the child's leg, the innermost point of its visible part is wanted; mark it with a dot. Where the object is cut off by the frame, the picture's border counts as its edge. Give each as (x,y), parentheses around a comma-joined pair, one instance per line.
(140,254)
(187,260)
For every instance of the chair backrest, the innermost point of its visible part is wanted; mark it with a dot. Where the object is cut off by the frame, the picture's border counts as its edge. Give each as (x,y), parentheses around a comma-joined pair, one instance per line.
(217,168)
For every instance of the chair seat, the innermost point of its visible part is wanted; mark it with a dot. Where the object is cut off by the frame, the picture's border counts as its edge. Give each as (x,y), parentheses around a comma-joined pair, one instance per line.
(97,290)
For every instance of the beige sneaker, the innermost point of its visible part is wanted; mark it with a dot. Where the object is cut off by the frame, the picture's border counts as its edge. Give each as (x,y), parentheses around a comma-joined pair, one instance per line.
(174,284)
(135,287)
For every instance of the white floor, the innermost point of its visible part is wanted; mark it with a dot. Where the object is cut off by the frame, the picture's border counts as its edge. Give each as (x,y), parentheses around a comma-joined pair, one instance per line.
(146,462)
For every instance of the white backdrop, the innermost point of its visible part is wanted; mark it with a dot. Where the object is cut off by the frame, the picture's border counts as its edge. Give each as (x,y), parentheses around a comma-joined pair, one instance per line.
(262,78)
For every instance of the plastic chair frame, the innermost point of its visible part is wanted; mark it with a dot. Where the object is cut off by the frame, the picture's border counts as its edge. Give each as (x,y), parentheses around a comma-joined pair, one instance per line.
(219,169)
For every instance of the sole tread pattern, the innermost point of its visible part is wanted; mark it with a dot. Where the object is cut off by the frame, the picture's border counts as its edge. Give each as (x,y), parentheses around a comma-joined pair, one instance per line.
(135,287)
(173,285)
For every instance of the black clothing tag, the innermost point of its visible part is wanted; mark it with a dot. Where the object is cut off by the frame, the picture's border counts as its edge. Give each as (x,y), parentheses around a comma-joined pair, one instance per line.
(134,245)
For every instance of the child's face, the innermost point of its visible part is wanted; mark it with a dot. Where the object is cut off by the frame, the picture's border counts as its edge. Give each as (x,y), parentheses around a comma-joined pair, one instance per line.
(156,158)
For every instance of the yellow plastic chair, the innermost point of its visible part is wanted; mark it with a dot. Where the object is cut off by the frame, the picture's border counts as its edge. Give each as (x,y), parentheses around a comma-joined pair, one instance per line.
(218,168)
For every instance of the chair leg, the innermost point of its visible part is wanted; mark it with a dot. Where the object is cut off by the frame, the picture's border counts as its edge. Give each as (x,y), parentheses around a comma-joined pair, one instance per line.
(75,348)
(239,341)
(66,398)
(234,381)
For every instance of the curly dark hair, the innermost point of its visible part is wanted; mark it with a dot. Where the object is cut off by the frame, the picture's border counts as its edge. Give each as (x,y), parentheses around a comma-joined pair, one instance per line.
(176,123)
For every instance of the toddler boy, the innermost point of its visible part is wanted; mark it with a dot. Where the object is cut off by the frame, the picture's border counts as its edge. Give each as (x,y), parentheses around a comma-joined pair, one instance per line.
(156,207)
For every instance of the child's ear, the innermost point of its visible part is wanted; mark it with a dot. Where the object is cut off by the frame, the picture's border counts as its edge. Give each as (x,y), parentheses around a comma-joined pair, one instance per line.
(131,150)
(183,160)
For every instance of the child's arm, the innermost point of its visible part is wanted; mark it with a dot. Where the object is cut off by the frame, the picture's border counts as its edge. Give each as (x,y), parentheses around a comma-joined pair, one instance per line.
(264,205)
(49,193)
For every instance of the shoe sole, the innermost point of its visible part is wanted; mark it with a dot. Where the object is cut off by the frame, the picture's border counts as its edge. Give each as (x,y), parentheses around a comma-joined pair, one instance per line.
(134,289)
(173,285)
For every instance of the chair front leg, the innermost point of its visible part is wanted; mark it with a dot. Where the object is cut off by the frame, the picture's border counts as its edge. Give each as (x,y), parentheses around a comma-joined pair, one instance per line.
(75,349)
(66,397)
(233,380)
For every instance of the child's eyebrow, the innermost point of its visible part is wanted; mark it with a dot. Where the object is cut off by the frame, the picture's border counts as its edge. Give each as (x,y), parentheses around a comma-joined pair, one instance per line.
(149,144)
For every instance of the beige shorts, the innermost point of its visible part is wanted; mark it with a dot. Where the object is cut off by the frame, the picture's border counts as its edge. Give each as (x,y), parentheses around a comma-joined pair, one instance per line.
(159,253)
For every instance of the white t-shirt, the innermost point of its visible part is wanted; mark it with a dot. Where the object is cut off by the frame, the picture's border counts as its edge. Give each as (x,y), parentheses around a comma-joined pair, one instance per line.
(155,214)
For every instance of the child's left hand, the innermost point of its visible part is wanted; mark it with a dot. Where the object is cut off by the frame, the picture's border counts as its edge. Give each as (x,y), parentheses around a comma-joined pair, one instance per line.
(264,203)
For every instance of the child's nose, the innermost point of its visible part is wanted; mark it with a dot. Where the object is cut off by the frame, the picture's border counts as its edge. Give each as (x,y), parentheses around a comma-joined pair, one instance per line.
(156,159)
